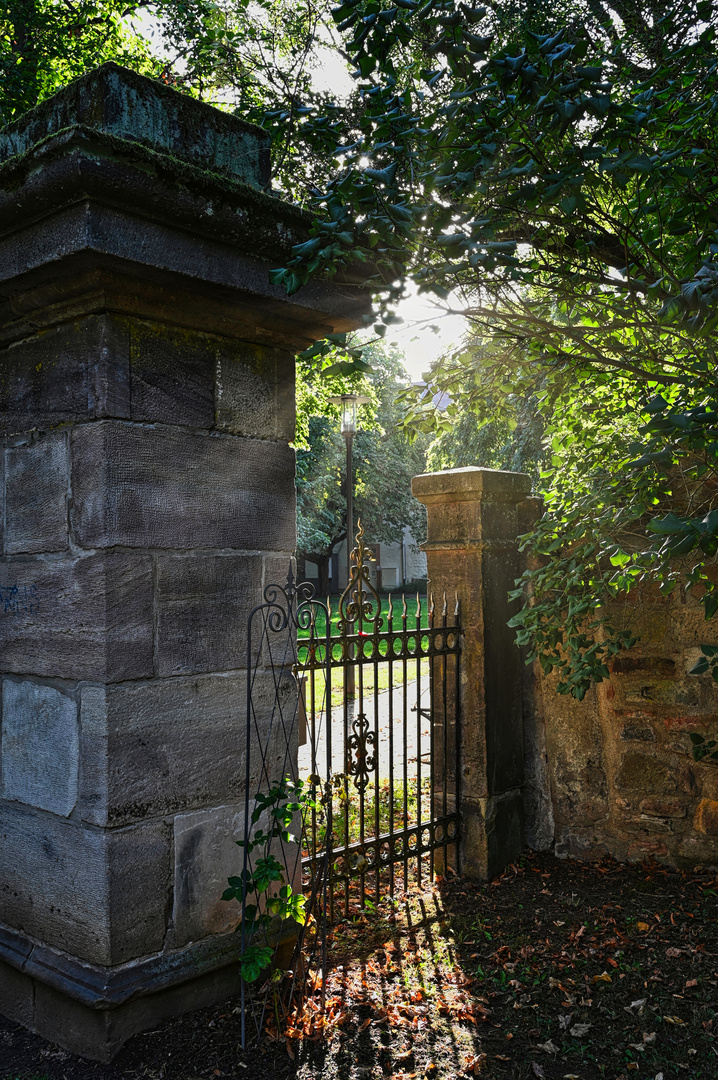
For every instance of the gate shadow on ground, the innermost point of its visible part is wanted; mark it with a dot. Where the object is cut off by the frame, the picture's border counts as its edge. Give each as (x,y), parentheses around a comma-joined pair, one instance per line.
(557,969)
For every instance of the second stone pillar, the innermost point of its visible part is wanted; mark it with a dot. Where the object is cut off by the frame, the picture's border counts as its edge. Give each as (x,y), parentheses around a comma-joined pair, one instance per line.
(471,548)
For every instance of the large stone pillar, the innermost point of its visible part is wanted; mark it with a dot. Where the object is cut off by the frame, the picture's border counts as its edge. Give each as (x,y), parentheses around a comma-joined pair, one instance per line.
(471,550)
(147,485)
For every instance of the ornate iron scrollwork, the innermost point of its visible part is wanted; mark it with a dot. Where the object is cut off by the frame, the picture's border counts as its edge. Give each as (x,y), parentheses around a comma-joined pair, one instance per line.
(360,763)
(360,603)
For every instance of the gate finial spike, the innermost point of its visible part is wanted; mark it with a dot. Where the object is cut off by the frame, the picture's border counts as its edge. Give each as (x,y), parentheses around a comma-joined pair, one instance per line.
(456,608)
(390,613)
(418,607)
(403,611)
(444,608)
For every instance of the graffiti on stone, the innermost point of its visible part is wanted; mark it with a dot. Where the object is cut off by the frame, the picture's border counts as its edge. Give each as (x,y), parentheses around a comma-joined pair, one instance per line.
(19,599)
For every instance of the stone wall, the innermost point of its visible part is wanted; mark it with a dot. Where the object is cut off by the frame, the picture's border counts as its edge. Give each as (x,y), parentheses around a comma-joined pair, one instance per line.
(615,772)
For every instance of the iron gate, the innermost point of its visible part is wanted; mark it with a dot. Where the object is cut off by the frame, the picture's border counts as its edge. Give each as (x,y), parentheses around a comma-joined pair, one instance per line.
(356,709)
(378,686)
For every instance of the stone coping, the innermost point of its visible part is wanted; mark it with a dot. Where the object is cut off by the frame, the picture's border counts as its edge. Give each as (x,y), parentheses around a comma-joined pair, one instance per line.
(470,484)
(129,106)
(109,987)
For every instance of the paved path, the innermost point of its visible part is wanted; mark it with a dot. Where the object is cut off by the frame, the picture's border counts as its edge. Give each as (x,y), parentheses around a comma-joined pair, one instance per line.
(390,722)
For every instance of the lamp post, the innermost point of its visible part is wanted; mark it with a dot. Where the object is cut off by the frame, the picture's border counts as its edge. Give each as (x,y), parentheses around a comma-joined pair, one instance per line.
(349,404)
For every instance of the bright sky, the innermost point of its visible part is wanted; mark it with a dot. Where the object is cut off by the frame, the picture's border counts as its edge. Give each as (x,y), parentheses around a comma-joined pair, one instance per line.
(426,332)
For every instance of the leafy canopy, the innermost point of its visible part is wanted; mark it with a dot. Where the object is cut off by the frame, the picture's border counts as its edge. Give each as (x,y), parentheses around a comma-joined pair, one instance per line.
(561,178)
(384,461)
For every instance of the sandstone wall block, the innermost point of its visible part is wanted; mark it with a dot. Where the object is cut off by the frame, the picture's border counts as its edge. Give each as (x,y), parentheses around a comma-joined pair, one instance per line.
(77,618)
(640,772)
(205,855)
(139,486)
(255,391)
(172,374)
(66,373)
(16,995)
(40,747)
(706,817)
(116,907)
(36,490)
(156,748)
(203,604)
(664,807)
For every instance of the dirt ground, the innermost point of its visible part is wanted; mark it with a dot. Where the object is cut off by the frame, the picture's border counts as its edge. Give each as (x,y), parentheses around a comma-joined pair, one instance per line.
(555,970)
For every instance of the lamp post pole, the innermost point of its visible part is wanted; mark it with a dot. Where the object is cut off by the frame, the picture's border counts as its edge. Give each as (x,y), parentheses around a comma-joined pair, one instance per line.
(349,439)
(349,404)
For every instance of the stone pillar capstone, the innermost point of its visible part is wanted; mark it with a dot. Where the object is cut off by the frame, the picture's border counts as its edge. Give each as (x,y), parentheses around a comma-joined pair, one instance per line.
(147,494)
(471,550)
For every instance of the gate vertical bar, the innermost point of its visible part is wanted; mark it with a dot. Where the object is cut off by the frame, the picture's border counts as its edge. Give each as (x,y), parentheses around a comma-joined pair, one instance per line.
(390,658)
(418,739)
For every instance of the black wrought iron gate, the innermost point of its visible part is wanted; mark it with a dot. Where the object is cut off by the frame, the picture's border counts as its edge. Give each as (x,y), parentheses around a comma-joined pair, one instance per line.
(353,723)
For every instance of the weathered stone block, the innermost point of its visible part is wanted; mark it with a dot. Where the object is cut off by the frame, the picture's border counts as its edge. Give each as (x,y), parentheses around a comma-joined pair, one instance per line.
(100,1033)
(40,747)
(158,487)
(77,618)
(138,878)
(170,745)
(706,817)
(67,372)
(172,374)
(666,692)
(255,391)
(203,602)
(128,106)
(99,895)
(16,995)
(206,854)
(670,807)
(639,772)
(638,733)
(36,490)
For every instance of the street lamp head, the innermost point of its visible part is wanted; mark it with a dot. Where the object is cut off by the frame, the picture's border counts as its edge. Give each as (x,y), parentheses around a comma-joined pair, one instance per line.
(349,404)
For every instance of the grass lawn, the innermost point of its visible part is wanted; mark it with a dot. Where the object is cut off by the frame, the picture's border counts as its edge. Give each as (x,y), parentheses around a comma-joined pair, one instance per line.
(396,621)
(370,679)
(558,970)
(380,678)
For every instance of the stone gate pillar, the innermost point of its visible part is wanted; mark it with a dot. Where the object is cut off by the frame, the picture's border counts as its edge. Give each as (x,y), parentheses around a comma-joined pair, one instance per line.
(147,494)
(471,550)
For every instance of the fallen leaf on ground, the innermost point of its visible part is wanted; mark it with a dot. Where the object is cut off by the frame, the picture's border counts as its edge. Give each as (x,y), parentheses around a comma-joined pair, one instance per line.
(579,1029)
(547,1047)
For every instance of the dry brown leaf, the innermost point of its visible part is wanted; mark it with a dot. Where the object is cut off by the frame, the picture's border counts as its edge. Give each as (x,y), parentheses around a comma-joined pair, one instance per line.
(475,1064)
